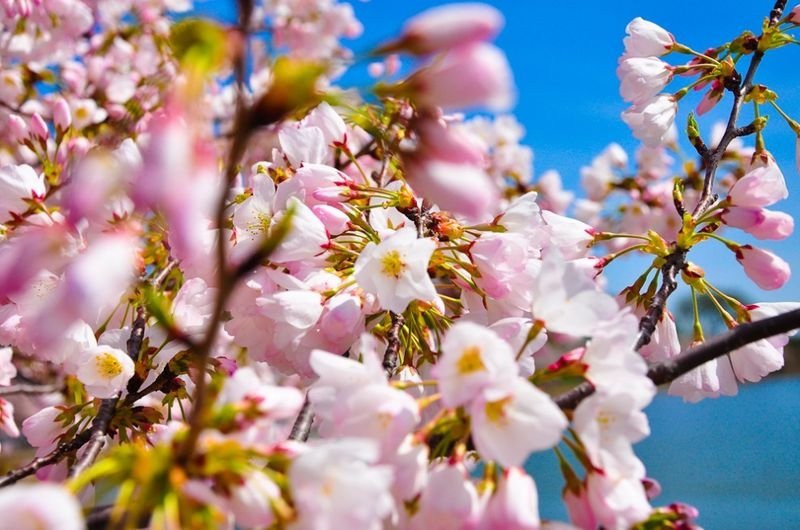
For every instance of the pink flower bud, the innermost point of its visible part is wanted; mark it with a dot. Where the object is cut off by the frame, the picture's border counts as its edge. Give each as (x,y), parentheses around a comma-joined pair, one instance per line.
(646,39)
(515,503)
(335,220)
(710,99)
(459,188)
(449,26)
(17,128)
(61,114)
(797,154)
(474,76)
(39,127)
(760,222)
(766,269)
(761,186)
(651,120)
(794,15)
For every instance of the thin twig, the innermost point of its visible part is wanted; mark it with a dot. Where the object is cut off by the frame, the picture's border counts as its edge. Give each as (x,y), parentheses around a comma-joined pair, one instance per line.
(302,425)
(58,454)
(30,389)
(669,370)
(97,436)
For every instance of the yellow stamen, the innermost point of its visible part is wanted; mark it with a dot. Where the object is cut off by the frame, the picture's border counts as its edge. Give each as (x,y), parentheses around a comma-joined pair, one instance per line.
(470,361)
(107,365)
(393,264)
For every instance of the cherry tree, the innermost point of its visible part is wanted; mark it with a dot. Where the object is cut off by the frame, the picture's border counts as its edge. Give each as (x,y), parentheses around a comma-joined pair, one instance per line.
(235,292)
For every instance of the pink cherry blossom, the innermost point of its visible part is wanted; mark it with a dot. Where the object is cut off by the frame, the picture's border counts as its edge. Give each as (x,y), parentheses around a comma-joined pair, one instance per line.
(514,504)
(762,186)
(32,506)
(448,502)
(16,184)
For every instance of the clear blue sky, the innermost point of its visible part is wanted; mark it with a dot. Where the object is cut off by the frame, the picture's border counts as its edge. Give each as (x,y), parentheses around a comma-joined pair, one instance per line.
(564,58)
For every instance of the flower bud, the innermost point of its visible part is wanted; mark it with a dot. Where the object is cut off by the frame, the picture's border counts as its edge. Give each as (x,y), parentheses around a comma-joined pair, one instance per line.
(794,15)
(61,114)
(474,76)
(445,27)
(761,186)
(646,39)
(767,270)
(39,128)
(17,128)
(760,222)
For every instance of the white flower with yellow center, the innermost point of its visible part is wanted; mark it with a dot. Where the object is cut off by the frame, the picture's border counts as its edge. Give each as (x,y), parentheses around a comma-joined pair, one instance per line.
(509,425)
(473,358)
(105,371)
(396,270)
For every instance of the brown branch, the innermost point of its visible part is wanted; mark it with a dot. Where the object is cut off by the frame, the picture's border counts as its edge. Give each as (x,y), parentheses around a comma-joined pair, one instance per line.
(669,274)
(739,88)
(390,357)
(97,436)
(669,370)
(58,454)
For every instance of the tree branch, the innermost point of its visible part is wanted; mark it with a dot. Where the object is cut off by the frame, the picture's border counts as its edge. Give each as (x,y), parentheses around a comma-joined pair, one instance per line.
(739,89)
(669,273)
(390,357)
(669,370)
(58,454)
(302,425)
(23,388)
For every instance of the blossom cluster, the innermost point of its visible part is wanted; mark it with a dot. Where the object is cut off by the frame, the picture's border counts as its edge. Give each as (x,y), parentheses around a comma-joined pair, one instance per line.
(247,297)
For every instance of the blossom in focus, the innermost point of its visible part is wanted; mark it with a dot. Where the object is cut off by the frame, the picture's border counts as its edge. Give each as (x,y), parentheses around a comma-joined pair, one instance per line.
(646,39)
(508,424)
(105,371)
(473,358)
(766,269)
(652,119)
(18,183)
(642,78)
(759,222)
(762,186)
(396,269)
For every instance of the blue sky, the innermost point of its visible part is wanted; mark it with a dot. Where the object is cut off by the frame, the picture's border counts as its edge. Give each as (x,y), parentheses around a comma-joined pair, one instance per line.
(564,58)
